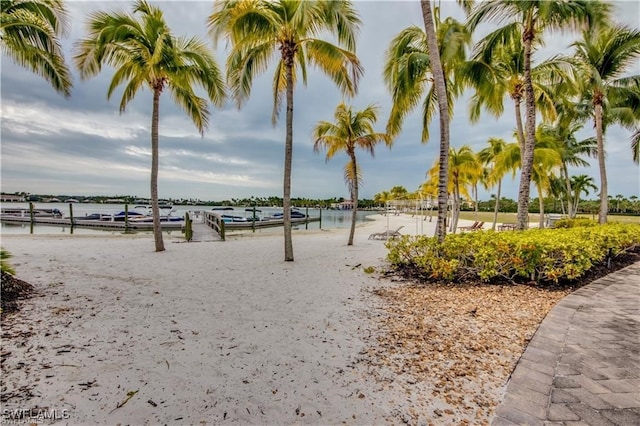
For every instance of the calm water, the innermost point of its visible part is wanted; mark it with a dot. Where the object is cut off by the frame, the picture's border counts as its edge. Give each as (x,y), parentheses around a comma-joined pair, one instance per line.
(330,218)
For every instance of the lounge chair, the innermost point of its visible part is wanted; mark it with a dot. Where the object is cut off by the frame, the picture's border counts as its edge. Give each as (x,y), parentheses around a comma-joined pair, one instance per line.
(476,226)
(386,234)
(470,227)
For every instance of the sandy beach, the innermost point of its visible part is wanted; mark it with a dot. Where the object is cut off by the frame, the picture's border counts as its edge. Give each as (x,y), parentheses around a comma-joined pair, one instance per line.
(215,332)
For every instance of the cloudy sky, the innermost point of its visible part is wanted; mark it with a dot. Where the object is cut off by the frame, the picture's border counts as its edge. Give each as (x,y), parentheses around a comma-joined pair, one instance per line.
(83,146)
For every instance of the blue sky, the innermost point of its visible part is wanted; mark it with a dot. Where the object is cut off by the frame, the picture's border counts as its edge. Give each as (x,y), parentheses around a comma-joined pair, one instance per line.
(83,146)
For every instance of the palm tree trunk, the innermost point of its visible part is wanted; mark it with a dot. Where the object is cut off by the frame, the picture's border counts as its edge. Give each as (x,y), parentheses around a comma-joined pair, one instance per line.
(441,92)
(519,129)
(456,208)
(354,196)
(530,130)
(541,203)
(155,117)
(604,207)
(288,156)
(567,180)
(497,206)
(475,201)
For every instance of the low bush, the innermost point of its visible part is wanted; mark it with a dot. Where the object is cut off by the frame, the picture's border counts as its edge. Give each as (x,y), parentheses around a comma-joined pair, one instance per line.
(542,255)
(4,262)
(572,223)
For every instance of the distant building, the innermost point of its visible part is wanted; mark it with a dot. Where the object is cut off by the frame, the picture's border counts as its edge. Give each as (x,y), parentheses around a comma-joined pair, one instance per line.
(345,205)
(8,198)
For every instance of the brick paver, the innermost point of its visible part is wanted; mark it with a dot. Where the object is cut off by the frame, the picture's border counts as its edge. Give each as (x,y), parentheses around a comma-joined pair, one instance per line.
(583,364)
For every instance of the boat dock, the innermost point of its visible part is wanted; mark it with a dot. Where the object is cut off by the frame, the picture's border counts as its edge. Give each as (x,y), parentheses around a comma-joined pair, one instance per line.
(95,224)
(206,224)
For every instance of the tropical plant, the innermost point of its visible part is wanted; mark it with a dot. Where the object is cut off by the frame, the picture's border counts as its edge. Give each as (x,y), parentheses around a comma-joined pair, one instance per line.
(496,71)
(351,130)
(287,30)
(571,150)
(546,159)
(530,19)
(5,266)
(145,54)
(603,57)
(414,58)
(580,184)
(464,168)
(398,192)
(30,32)
(488,157)
(382,197)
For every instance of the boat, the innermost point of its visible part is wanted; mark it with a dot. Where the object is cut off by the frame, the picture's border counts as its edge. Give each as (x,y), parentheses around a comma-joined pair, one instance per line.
(143,213)
(37,212)
(294,215)
(120,217)
(232,218)
(92,216)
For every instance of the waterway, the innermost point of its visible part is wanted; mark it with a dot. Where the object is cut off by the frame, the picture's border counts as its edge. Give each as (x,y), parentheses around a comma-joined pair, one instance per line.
(330,218)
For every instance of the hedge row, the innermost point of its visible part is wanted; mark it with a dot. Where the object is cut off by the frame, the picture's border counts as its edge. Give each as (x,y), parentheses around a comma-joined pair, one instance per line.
(536,254)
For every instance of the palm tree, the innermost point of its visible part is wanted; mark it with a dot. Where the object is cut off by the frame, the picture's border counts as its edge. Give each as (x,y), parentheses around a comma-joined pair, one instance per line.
(496,71)
(351,130)
(144,53)
(382,197)
(464,167)
(581,184)
(604,56)
(414,58)
(571,150)
(488,157)
(30,32)
(530,19)
(546,158)
(260,31)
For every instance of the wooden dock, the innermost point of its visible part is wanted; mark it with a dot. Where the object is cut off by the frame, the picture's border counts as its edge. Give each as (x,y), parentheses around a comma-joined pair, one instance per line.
(206,225)
(94,224)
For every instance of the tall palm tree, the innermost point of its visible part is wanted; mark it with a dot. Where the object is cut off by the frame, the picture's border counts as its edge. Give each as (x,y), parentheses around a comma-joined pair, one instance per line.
(287,30)
(530,19)
(415,58)
(439,82)
(145,54)
(603,57)
(581,184)
(350,131)
(30,32)
(488,157)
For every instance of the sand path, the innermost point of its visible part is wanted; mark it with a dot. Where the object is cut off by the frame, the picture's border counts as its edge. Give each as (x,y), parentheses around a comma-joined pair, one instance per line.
(202,333)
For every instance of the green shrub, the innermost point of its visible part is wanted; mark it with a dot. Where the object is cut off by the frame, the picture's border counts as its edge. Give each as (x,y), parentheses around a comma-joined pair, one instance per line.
(4,264)
(572,223)
(536,254)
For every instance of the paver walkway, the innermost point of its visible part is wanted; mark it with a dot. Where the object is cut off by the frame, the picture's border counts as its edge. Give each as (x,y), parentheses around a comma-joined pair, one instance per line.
(582,366)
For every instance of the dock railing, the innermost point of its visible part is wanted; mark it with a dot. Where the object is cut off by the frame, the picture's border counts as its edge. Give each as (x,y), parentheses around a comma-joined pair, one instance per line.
(214,221)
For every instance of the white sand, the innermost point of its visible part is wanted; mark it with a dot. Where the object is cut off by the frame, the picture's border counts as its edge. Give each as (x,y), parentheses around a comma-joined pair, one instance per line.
(210,332)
